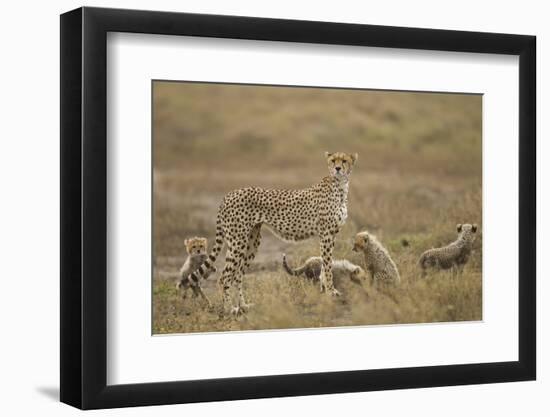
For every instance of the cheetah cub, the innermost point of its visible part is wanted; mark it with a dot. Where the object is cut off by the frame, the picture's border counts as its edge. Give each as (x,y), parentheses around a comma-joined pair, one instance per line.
(341,269)
(196,251)
(455,255)
(377,259)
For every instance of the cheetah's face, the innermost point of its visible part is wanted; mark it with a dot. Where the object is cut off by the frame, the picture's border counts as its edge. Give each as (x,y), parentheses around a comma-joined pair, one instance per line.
(196,246)
(467,231)
(340,164)
(361,242)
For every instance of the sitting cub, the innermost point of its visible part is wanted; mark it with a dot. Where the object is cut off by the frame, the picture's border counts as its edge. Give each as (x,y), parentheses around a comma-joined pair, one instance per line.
(377,259)
(196,251)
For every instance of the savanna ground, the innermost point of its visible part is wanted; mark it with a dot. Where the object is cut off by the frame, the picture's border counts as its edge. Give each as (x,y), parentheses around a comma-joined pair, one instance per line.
(419,173)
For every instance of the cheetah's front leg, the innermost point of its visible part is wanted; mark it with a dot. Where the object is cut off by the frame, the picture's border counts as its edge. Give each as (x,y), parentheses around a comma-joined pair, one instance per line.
(327,245)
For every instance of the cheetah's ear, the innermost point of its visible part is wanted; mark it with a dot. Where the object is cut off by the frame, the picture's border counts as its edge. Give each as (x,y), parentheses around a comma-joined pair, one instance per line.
(474,227)
(186,242)
(328,155)
(459,228)
(354,157)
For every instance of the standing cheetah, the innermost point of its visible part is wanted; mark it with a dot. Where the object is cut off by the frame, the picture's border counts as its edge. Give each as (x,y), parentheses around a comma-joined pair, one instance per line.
(455,255)
(377,259)
(292,215)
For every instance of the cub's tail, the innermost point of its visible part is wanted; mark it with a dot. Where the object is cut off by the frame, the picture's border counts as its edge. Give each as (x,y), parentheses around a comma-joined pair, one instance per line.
(293,272)
(287,268)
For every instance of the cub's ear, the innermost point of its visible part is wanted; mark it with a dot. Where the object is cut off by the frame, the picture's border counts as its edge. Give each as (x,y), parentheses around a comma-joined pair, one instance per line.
(186,242)
(474,227)
(459,228)
(354,157)
(328,154)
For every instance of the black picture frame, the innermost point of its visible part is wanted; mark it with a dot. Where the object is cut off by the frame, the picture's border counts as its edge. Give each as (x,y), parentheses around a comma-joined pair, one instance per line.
(84,207)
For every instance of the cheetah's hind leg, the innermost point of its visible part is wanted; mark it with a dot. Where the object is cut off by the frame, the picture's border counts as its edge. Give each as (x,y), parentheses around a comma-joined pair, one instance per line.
(254,239)
(184,293)
(182,287)
(230,276)
(198,292)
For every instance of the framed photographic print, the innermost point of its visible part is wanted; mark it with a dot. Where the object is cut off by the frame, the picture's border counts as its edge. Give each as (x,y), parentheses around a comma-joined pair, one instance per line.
(257,207)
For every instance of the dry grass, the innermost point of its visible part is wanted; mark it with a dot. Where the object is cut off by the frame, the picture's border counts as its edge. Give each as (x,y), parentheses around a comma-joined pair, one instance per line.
(418,174)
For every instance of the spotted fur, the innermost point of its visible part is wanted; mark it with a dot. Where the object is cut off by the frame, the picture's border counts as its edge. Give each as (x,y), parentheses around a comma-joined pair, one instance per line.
(312,268)
(196,251)
(455,255)
(378,261)
(292,215)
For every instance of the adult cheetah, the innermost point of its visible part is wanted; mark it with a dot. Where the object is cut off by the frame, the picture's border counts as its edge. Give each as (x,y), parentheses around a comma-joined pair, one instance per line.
(292,215)
(455,255)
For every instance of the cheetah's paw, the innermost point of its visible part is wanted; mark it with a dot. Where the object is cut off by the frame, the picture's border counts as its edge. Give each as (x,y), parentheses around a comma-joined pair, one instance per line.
(237,311)
(245,307)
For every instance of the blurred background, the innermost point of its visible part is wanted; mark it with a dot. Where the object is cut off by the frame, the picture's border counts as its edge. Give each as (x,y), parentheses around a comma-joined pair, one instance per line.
(419,173)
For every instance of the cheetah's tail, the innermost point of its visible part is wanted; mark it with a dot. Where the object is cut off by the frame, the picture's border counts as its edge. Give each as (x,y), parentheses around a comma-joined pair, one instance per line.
(202,271)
